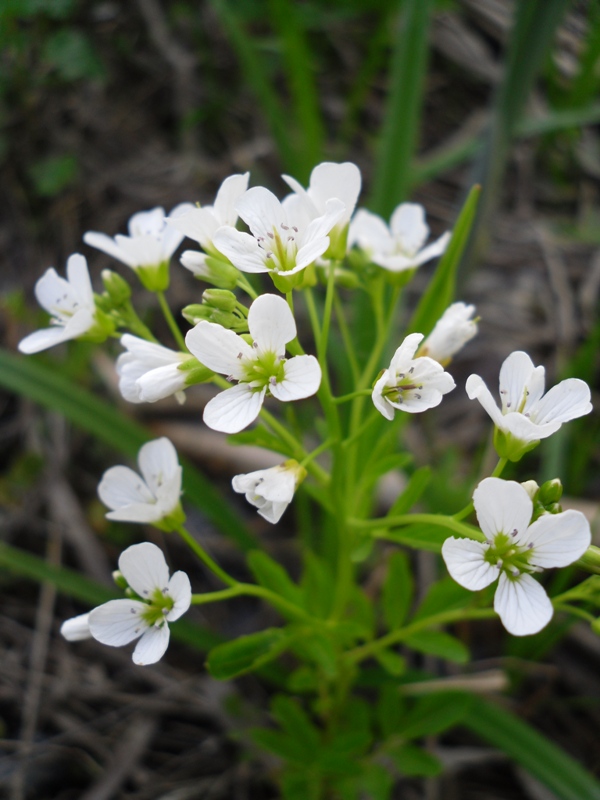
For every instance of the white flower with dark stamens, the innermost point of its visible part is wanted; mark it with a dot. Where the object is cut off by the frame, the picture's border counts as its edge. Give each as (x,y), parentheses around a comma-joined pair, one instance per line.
(259,368)
(513,551)
(76,629)
(271,490)
(400,246)
(70,304)
(329,180)
(149,246)
(148,371)
(454,329)
(410,384)
(160,600)
(201,223)
(527,414)
(284,239)
(152,498)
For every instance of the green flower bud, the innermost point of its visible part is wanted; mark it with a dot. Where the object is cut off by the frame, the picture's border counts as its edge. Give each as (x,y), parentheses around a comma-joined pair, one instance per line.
(118,578)
(116,287)
(531,488)
(222,299)
(550,492)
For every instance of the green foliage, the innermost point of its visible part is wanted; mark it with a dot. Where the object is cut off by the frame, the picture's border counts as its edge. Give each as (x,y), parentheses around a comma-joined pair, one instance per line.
(72,55)
(51,175)
(397,590)
(246,653)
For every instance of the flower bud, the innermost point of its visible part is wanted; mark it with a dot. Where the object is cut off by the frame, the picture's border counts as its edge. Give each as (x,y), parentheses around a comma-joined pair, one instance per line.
(222,299)
(118,578)
(116,287)
(550,492)
(531,488)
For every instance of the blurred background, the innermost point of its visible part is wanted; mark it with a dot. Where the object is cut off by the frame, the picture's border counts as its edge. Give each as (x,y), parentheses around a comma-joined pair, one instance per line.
(108,108)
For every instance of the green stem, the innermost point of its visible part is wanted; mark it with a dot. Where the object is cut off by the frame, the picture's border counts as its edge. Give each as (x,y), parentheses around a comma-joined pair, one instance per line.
(215,597)
(469,508)
(438,520)
(394,637)
(296,448)
(346,338)
(205,558)
(316,452)
(346,397)
(177,335)
(247,287)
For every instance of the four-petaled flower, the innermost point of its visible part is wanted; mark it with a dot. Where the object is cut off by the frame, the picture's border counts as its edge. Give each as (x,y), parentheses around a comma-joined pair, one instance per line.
(527,415)
(514,550)
(411,384)
(453,329)
(284,239)
(71,305)
(399,246)
(149,246)
(259,368)
(152,498)
(159,600)
(328,180)
(271,490)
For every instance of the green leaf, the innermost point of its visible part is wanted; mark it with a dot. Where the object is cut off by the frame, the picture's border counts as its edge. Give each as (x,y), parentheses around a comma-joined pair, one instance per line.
(392,663)
(439,643)
(46,386)
(377,782)
(296,723)
(415,487)
(286,747)
(435,713)
(557,770)
(383,466)
(445,595)
(246,653)
(420,536)
(318,648)
(391,709)
(440,290)
(271,575)
(72,55)
(300,785)
(413,761)
(51,175)
(397,591)
(318,586)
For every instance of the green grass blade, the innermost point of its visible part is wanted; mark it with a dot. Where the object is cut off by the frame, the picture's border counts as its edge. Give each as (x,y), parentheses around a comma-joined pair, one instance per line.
(557,770)
(257,77)
(45,386)
(81,588)
(403,113)
(440,291)
(300,68)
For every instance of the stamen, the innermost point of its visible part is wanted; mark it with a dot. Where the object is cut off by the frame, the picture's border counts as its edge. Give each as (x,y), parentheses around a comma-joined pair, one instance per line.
(515,572)
(514,532)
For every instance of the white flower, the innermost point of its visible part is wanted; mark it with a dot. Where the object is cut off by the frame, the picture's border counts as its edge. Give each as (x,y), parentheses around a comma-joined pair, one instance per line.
(411,384)
(148,371)
(527,415)
(76,629)
(70,303)
(513,551)
(284,240)
(201,223)
(154,497)
(329,180)
(270,490)
(452,330)
(401,246)
(162,600)
(259,367)
(149,246)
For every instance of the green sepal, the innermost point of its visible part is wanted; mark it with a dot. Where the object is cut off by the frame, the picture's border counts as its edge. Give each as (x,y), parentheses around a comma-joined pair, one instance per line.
(154,278)
(173,521)
(104,326)
(116,287)
(508,446)
(195,371)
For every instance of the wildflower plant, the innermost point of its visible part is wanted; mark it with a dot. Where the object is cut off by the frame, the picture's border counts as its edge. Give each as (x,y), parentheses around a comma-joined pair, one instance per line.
(348,381)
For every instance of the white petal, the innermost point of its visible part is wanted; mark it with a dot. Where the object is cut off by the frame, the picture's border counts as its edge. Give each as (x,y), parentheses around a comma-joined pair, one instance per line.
(525,429)
(402,358)
(43,339)
(171,237)
(159,383)
(409,228)
(199,224)
(79,323)
(336,180)
(516,373)
(522,604)
(79,278)
(234,409)
(77,628)
(147,223)
(169,493)
(181,591)
(117,622)
(502,507)
(142,251)
(466,563)
(370,233)
(53,292)
(195,262)
(121,486)
(137,512)
(261,211)
(144,568)
(271,323)
(432,250)
(568,400)
(302,378)
(558,539)
(320,227)
(241,249)
(219,348)
(229,193)
(477,390)
(158,462)
(309,253)
(107,245)
(381,403)
(273,512)
(152,646)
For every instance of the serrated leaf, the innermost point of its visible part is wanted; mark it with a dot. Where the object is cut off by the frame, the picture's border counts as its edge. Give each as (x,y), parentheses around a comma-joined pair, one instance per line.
(246,653)
(397,590)
(440,644)
(271,575)
(435,713)
(415,762)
